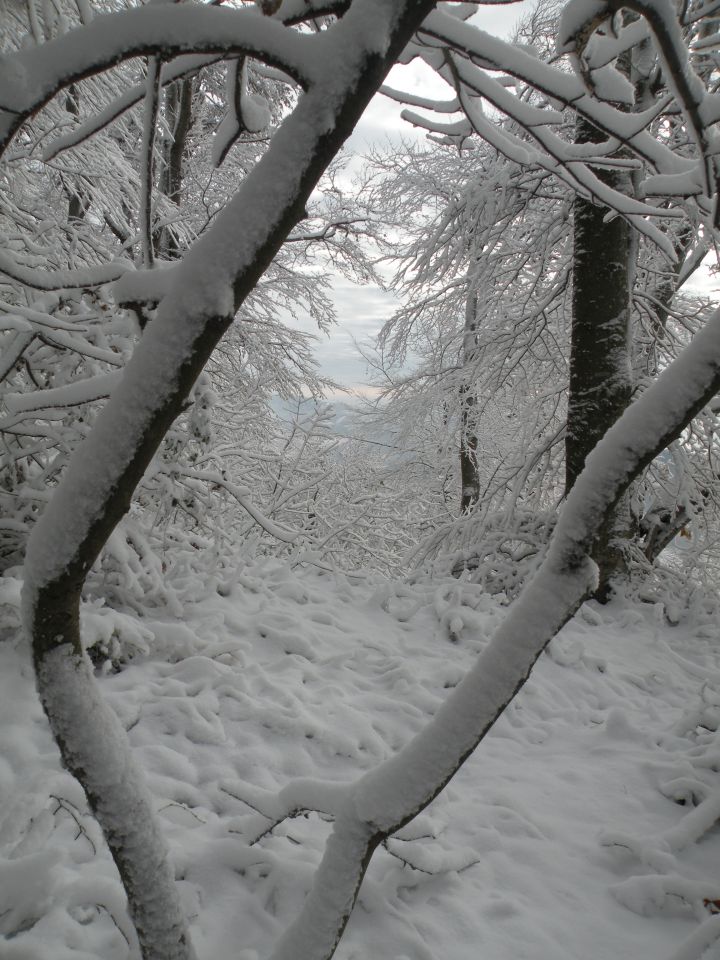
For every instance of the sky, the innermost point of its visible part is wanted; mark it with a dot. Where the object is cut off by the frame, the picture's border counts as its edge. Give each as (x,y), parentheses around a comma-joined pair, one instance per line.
(363,309)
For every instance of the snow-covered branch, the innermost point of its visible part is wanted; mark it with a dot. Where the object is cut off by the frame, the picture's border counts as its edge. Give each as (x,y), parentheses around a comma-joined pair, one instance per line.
(30,77)
(348,62)
(388,797)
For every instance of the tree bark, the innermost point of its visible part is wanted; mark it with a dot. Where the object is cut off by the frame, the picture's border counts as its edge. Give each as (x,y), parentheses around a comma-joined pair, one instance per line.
(219,272)
(600,383)
(469,478)
(178,106)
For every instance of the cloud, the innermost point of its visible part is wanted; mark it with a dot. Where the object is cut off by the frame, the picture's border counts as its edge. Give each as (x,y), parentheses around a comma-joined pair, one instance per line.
(361,310)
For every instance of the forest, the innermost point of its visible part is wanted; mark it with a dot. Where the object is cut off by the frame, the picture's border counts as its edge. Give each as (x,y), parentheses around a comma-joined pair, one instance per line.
(430,671)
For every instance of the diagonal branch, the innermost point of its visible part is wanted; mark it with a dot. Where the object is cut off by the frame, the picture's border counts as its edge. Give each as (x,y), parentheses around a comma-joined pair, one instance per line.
(214,279)
(387,798)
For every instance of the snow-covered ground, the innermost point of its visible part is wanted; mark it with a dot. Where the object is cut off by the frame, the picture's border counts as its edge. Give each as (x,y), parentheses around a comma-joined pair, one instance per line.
(562,837)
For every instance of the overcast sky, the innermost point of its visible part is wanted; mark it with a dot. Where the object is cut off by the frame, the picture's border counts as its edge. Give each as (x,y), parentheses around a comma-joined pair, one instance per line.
(362,309)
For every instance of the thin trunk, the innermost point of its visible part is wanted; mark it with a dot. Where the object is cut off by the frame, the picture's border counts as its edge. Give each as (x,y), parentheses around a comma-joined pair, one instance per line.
(469,478)
(179,117)
(77,204)
(147,149)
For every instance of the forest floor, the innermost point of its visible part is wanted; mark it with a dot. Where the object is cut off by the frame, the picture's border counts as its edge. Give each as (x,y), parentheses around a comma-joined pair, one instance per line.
(583,827)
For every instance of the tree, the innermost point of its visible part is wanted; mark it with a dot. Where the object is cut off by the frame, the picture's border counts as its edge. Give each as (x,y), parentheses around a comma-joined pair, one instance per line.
(486,279)
(486,217)
(340,66)
(69,347)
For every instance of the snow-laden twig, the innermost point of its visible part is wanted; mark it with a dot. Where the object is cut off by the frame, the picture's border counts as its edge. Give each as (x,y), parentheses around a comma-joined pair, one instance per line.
(271,809)
(242,496)
(658,852)
(694,947)
(60,398)
(650,895)
(37,279)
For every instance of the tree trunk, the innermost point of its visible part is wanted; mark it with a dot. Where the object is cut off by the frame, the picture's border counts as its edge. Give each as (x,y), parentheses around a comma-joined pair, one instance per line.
(77,204)
(178,106)
(469,479)
(600,373)
(99,483)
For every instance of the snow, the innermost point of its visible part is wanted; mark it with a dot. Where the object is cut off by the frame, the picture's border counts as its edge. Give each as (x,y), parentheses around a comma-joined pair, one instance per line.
(279,695)
(576,19)
(59,279)
(69,395)
(31,75)
(222,727)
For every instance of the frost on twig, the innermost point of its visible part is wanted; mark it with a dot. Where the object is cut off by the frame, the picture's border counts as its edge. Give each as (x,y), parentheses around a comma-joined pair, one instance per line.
(271,809)
(696,945)
(652,894)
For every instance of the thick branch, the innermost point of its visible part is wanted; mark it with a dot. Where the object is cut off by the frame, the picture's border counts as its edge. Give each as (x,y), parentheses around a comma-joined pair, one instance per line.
(212,282)
(146,31)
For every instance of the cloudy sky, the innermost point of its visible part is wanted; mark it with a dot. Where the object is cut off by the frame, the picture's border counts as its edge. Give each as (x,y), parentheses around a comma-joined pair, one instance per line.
(362,309)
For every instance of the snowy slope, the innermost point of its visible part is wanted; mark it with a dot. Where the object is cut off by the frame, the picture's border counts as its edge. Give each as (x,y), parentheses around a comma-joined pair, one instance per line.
(559,839)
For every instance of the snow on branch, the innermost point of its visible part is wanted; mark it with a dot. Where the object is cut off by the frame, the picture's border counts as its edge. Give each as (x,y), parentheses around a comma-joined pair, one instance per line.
(649,894)
(580,19)
(30,77)
(245,113)
(51,404)
(271,809)
(491,53)
(412,100)
(654,851)
(242,496)
(90,276)
(83,348)
(570,162)
(696,945)
(567,161)
(179,69)
(13,352)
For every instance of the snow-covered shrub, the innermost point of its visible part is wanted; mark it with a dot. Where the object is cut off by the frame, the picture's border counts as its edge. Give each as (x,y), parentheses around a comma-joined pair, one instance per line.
(498,552)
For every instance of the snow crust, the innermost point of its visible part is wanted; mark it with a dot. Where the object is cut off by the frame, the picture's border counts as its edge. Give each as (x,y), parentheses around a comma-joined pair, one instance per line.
(278,696)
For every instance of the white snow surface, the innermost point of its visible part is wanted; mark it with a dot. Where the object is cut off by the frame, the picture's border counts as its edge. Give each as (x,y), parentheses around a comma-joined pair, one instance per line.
(561,837)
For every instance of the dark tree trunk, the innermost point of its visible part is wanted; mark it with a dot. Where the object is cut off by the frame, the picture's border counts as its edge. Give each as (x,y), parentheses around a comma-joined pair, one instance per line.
(77,203)
(469,479)
(600,374)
